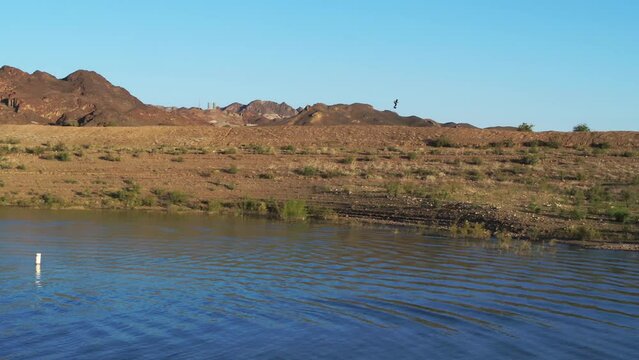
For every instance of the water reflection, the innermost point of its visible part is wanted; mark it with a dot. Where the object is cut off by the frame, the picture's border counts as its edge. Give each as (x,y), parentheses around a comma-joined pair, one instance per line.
(38,279)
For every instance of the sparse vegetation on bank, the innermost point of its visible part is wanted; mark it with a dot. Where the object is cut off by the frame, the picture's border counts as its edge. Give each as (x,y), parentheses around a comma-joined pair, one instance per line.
(535,186)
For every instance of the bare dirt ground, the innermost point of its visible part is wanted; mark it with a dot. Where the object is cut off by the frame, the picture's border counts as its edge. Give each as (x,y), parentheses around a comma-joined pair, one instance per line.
(580,187)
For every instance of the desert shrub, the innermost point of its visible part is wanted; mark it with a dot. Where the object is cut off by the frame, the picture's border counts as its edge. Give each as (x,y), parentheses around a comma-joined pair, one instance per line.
(411,156)
(441,142)
(528,160)
(59,147)
(581,128)
(50,200)
(597,194)
(205,173)
(331,173)
(582,232)
(178,159)
(266,176)
(229,151)
(619,214)
(600,145)
(474,175)
(321,213)
(231,170)
(293,210)
(8,149)
(250,206)
(1,183)
(525,127)
(422,173)
(534,208)
(502,143)
(110,157)
(38,150)
(129,194)
(347,160)
(394,189)
(474,161)
(470,230)
(261,149)
(288,149)
(308,171)
(10,141)
(542,143)
(167,197)
(62,156)
(576,214)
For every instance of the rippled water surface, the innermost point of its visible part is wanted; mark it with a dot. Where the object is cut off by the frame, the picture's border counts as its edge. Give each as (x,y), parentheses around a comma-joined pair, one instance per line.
(123,285)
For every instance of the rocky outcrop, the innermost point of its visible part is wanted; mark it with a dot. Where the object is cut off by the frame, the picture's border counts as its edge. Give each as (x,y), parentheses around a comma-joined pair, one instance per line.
(355,114)
(261,112)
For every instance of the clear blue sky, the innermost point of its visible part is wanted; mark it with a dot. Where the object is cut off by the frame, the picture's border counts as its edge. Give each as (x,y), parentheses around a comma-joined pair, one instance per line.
(553,63)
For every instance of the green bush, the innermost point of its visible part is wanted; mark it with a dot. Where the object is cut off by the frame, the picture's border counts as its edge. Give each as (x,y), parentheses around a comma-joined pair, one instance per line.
(347,160)
(619,214)
(167,198)
(250,206)
(294,210)
(288,149)
(266,176)
(441,142)
(261,149)
(528,160)
(62,156)
(308,171)
(474,175)
(502,143)
(411,156)
(50,200)
(525,127)
(581,128)
(541,143)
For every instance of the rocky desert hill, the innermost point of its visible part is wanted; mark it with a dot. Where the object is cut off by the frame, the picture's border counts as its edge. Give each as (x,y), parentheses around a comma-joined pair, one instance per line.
(355,114)
(261,112)
(85,98)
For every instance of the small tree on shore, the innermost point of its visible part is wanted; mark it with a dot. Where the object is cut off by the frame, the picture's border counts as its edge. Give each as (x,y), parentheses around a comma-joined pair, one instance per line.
(581,128)
(525,127)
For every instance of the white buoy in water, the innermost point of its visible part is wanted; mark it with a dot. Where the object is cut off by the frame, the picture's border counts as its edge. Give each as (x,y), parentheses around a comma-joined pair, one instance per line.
(38,258)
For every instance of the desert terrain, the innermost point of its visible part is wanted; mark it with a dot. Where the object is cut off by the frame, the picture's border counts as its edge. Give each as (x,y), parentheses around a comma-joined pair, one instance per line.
(578,187)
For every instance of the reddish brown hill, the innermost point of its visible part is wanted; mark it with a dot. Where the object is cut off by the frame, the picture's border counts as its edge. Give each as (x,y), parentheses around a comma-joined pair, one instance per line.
(85,98)
(355,114)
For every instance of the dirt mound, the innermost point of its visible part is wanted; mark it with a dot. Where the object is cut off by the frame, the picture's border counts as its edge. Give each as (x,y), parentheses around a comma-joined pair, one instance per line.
(355,114)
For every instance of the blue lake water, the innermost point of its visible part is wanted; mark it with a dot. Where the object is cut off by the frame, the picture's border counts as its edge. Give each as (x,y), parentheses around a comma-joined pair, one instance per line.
(151,286)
